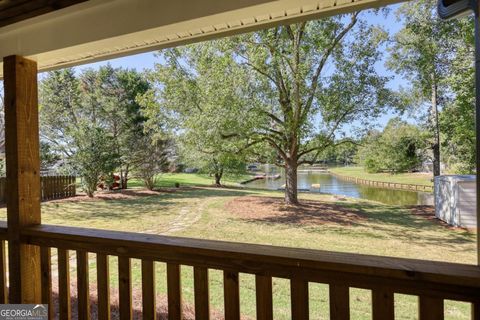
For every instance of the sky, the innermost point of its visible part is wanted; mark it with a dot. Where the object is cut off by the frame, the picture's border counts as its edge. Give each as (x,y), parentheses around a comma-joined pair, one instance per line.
(385,18)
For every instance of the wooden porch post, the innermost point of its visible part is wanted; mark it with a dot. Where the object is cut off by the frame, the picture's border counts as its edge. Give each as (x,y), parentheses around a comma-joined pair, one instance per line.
(23,176)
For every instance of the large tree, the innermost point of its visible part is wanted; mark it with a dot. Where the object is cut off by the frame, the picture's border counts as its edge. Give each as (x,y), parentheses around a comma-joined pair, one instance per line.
(199,96)
(76,110)
(111,96)
(290,89)
(457,119)
(422,51)
(313,78)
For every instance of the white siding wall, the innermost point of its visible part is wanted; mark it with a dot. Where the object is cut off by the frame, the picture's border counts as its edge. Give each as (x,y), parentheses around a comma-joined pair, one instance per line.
(466,204)
(455,200)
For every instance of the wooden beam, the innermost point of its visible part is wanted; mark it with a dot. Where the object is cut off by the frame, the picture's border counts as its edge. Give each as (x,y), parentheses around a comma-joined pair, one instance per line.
(23,176)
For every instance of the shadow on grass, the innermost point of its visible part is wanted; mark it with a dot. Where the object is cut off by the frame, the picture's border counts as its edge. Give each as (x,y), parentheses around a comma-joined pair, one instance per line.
(416,224)
(134,207)
(413,224)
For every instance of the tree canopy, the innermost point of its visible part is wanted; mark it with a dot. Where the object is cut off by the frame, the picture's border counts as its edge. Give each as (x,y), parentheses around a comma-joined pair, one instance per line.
(93,120)
(424,52)
(283,93)
(398,148)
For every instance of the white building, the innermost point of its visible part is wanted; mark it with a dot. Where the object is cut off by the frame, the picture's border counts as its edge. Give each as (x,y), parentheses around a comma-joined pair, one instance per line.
(455,200)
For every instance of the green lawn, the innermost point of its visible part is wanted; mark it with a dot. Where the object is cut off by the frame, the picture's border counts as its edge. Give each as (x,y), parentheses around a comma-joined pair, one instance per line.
(409,178)
(380,229)
(190,179)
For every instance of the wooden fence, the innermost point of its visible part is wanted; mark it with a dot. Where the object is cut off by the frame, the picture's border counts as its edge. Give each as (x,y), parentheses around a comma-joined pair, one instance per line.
(53,187)
(389,185)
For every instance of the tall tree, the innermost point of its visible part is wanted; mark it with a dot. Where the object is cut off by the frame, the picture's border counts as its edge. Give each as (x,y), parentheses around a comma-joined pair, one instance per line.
(313,79)
(457,119)
(422,51)
(200,96)
(74,130)
(61,110)
(110,94)
(99,102)
(290,89)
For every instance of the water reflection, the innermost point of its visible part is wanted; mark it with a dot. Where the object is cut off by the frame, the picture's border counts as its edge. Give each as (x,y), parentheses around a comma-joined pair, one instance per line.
(332,185)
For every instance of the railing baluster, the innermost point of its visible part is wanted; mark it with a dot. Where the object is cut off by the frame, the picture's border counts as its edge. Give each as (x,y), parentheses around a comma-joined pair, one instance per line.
(202,300)
(64,284)
(339,302)
(430,308)
(3,274)
(299,299)
(231,295)
(125,288)
(476,310)
(103,285)
(2,190)
(174,291)
(439,280)
(46,269)
(382,305)
(263,292)
(83,289)
(148,289)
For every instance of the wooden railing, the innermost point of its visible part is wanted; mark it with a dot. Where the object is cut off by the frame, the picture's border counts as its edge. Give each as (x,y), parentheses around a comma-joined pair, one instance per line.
(53,187)
(431,281)
(388,185)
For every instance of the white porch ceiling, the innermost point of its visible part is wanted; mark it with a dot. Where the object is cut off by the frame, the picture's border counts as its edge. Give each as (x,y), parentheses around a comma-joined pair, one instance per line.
(103,29)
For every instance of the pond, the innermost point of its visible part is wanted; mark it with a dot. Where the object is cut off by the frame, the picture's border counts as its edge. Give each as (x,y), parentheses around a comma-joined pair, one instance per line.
(333,185)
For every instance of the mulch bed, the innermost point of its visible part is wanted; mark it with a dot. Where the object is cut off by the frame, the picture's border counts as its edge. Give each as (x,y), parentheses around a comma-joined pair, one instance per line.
(310,212)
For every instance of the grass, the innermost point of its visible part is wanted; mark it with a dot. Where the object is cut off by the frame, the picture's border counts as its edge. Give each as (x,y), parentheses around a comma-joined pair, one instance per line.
(408,178)
(383,230)
(190,179)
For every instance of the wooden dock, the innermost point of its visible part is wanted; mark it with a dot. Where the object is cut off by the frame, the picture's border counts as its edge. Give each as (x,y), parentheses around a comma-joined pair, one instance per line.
(388,185)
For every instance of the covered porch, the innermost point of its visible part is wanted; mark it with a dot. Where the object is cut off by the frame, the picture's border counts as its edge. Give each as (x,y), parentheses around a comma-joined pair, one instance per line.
(45,35)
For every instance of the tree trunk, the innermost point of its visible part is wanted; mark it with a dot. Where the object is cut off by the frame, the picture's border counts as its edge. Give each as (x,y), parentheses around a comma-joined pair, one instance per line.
(436,130)
(291,193)
(218,178)
(124,178)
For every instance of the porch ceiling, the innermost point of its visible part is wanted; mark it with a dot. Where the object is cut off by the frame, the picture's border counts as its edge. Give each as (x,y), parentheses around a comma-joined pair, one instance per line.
(103,29)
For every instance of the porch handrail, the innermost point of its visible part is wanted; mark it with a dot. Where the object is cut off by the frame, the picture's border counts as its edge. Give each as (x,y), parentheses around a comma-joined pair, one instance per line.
(427,279)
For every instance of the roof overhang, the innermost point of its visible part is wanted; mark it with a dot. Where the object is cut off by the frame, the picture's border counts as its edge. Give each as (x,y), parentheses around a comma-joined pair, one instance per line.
(103,29)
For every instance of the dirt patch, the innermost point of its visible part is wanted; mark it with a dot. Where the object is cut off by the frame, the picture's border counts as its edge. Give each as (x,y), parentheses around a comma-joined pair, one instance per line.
(309,212)
(117,195)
